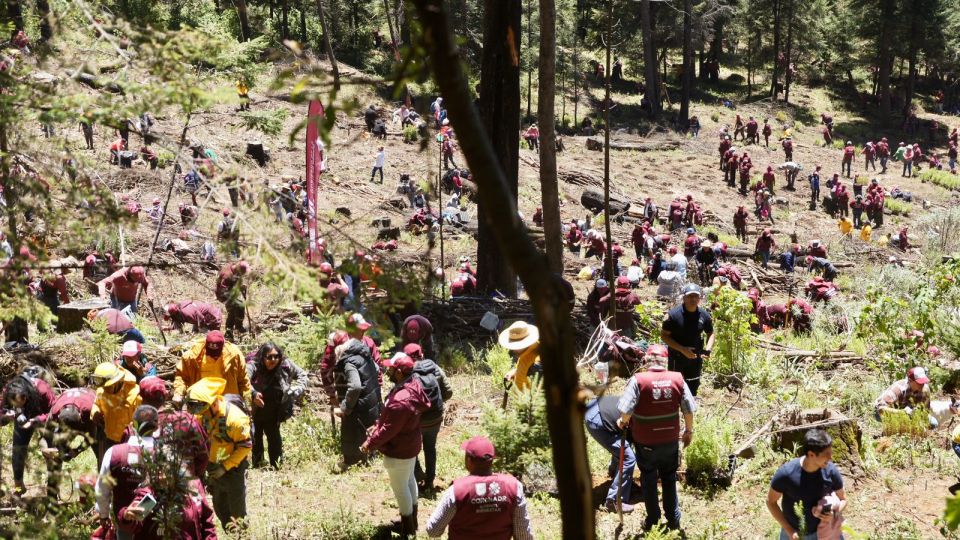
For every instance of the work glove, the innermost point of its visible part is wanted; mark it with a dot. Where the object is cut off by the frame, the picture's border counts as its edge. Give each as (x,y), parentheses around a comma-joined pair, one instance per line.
(215,472)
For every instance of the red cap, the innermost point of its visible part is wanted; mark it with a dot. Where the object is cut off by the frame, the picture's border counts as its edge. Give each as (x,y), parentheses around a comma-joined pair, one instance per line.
(226,211)
(401,362)
(623,282)
(357,321)
(918,375)
(326,268)
(131,348)
(215,337)
(338,338)
(479,448)
(753,294)
(153,391)
(156,200)
(138,273)
(657,350)
(413,351)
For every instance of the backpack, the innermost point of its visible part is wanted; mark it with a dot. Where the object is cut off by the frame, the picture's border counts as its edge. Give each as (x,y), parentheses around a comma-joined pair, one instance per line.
(432,388)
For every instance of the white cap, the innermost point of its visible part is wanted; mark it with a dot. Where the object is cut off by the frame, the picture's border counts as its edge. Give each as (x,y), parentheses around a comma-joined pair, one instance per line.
(131,348)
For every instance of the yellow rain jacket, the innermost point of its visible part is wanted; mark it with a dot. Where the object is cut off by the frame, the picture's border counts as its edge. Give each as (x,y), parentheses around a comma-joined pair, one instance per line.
(228,429)
(866,232)
(529,357)
(117,408)
(195,365)
(846,226)
(242,89)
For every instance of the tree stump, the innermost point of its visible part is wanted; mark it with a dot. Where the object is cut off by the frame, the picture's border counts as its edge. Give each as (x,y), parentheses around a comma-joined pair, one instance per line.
(343,211)
(388,233)
(381,222)
(258,152)
(790,428)
(70,317)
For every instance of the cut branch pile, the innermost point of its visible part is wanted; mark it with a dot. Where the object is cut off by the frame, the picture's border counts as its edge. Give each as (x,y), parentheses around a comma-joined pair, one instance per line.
(835,357)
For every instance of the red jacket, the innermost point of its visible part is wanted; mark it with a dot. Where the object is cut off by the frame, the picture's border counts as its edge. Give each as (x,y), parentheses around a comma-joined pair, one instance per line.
(740,217)
(196,521)
(848,152)
(397,431)
(201,315)
(765,243)
(81,398)
(117,322)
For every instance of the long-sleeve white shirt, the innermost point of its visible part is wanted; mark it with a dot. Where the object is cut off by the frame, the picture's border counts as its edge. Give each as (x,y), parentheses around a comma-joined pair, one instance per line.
(104,487)
(447,509)
(380,158)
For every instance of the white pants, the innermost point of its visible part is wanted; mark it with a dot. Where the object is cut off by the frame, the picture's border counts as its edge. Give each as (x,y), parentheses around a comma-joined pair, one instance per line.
(402,482)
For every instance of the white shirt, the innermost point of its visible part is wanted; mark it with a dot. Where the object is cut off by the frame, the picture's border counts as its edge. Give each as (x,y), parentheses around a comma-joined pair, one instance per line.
(380,158)
(681,263)
(104,487)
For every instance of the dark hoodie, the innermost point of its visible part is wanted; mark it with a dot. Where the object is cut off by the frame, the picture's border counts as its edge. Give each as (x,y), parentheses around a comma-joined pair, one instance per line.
(397,432)
(436,385)
(356,378)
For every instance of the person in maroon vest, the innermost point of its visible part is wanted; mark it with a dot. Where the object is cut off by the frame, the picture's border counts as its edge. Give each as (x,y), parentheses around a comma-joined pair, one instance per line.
(122,470)
(397,436)
(203,316)
(482,505)
(69,417)
(651,405)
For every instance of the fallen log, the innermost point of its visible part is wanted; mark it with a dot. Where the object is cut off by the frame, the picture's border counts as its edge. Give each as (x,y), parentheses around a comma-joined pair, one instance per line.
(94,82)
(592,200)
(596,144)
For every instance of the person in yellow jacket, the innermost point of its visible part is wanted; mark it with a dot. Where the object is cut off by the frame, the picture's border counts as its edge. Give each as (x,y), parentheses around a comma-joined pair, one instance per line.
(212,356)
(846,226)
(243,92)
(118,396)
(866,232)
(523,340)
(228,429)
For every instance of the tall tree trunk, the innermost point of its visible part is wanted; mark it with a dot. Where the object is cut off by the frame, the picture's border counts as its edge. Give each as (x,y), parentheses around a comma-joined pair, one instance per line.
(15,12)
(393,35)
(403,21)
(303,21)
(576,80)
(608,256)
(649,60)
(497,198)
(328,46)
(500,110)
(750,53)
(46,19)
(788,77)
(285,19)
(716,44)
(775,79)
(10,191)
(245,34)
(686,78)
(915,37)
(530,64)
(546,98)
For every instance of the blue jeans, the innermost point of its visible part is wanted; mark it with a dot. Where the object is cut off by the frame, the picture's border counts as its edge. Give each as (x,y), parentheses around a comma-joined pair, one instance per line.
(132,334)
(611,442)
(907,168)
(117,304)
(660,462)
(956,449)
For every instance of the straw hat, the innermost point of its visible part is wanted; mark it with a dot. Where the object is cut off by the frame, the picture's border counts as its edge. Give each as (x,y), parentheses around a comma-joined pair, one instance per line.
(519,336)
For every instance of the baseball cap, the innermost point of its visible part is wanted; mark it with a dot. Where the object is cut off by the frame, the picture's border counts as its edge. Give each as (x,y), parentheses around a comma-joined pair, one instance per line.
(131,348)
(413,350)
(691,230)
(657,349)
(692,288)
(918,375)
(215,337)
(602,284)
(622,281)
(479,448)
(357,321)
(400,362)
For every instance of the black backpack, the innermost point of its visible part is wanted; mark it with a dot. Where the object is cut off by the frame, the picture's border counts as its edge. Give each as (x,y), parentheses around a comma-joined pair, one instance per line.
(432,388)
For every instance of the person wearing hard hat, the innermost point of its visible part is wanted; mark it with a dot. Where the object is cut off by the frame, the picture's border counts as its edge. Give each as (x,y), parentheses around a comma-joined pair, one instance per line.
(523,340)
(211,356)
(118,396)
(228,428)
(133,360)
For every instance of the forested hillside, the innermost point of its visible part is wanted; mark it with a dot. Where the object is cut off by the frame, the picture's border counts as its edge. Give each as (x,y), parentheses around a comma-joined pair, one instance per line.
(223,225)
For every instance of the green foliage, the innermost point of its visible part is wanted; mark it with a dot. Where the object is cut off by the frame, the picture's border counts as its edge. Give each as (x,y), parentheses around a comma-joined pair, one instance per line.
(734,343)
(707,453)
(649,318)
(410,134)
(165,159)
(101,346)
(498,361)
(715,116)
(941,178)
(900,423)
(520,433)
(266,122)
(305,341)
(310,439)
(951,514)
(897,207)
(660,532)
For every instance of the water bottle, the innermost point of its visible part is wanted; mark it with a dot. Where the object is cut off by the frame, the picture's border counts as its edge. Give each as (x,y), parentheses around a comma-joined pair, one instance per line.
(602,371)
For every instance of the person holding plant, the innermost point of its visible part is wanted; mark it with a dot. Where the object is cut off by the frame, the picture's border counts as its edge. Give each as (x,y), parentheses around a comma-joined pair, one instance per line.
(906,395)
(814,483)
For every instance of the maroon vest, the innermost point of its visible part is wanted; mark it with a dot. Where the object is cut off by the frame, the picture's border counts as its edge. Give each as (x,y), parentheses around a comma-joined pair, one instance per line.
(656,417)
(125,469)
(485,507)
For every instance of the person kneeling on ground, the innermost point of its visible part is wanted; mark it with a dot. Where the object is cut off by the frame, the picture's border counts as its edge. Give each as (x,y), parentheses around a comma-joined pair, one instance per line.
(906,395)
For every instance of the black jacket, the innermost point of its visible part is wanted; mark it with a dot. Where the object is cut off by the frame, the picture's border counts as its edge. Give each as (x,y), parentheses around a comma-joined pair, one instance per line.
(434,382)
(356,379)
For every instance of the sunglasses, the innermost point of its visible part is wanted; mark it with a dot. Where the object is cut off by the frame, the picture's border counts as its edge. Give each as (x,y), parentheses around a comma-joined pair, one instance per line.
(272,356)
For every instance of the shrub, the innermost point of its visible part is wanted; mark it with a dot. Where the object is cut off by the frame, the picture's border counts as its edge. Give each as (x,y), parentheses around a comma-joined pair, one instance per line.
(941,178)
(498,362)
(310,439)
(733,341)
(410,134)
(707,452)
(781,117)
(266,122)
(650,316)
(715,116)
(520,432)
(901,423)
(305,341)
(897,207)
(165,159)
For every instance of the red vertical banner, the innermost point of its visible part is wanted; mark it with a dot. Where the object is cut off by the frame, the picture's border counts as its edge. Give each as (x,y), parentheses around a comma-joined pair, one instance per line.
(314,168)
